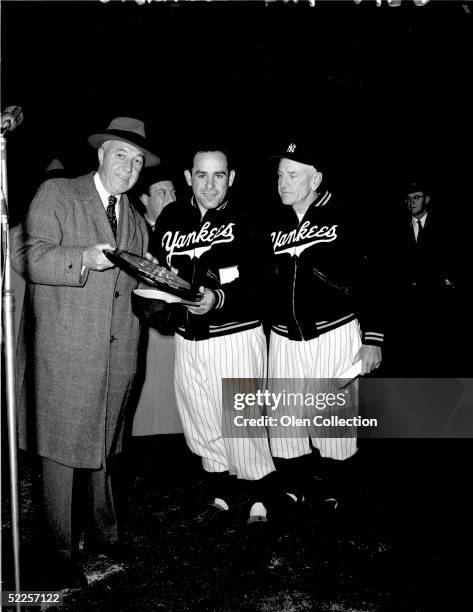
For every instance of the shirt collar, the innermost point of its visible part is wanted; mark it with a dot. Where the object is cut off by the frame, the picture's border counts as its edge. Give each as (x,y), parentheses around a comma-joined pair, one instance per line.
(152,224)
(103,193)
(422,219)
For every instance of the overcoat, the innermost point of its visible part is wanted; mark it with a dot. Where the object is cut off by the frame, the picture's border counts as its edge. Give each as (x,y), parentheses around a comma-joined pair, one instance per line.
(78,339)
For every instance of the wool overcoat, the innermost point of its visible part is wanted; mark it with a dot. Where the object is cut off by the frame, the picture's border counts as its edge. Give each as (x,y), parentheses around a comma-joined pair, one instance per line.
(78,339)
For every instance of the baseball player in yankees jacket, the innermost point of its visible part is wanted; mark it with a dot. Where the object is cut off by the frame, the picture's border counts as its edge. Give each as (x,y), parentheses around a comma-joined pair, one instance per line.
(219,249)
(325,319)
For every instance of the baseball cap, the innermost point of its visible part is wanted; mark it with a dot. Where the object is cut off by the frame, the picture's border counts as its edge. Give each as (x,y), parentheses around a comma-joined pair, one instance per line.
(300,151)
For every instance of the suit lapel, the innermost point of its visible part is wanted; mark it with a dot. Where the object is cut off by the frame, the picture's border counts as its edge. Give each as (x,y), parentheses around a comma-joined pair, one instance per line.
(126,224)
(126,228)
(412,236)
(95,208)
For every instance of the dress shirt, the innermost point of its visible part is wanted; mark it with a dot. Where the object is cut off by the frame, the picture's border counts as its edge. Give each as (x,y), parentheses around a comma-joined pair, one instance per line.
(152,224)
(104,195)
(415,225)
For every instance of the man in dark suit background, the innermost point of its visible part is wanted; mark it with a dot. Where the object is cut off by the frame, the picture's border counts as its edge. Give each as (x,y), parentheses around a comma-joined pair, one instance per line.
(78,339)
(423,267)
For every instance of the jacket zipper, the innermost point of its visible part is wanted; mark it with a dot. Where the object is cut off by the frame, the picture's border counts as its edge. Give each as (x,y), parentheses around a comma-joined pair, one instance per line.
(192,280)
(192,284)
(294,292)
(294,300)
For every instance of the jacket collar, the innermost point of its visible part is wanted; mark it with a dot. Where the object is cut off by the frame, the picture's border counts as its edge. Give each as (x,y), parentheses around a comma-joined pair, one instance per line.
(220,207)
(322,199)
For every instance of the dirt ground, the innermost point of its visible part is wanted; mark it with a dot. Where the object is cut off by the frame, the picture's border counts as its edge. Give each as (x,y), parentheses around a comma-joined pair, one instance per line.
(401,541)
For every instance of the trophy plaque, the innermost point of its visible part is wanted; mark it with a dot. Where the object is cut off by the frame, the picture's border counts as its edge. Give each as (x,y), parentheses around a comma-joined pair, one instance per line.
(154,275)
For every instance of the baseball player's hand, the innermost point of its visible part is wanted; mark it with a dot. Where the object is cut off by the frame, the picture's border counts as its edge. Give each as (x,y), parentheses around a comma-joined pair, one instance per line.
(206,303)
(370,356)
(94,258)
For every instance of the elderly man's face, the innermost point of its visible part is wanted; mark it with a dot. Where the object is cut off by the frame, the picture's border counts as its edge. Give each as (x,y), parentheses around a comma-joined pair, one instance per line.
(296,181)
(120,164)
(210,179)
(160,195)
(417,203)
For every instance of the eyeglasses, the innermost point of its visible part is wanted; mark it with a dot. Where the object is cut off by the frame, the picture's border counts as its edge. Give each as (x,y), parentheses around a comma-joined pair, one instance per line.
(414,198)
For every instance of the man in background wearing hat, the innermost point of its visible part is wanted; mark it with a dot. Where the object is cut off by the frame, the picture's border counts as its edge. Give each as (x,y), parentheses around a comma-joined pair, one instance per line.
(421,262)
(55,169)
(78,341)
(157,192)
(316,321)
(156,412)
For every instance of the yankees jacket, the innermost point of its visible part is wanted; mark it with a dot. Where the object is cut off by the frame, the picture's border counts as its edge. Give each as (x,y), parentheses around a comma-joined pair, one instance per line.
(322,276)
(226,251)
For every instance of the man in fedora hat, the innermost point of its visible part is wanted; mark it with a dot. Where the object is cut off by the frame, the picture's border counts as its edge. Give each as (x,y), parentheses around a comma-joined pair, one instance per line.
(157,192)
(78,340)
(156,411)
(424,275)
(55,169)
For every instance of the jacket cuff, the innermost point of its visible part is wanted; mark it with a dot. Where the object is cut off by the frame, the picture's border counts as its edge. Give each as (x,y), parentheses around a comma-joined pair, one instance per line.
(73,271)
(374,338)
(220,295)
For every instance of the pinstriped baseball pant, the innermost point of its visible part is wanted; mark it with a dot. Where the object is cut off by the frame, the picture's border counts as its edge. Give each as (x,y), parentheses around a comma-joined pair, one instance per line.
(325,357)
(199,368)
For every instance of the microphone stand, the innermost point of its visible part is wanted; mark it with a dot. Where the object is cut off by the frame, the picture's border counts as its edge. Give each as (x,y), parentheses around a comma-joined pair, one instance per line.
(8,310)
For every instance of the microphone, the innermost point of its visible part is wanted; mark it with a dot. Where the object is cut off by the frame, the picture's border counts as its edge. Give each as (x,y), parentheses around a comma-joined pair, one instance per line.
(12,116)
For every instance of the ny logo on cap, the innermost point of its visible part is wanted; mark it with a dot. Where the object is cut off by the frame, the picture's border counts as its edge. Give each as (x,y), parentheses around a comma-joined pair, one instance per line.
(291,148)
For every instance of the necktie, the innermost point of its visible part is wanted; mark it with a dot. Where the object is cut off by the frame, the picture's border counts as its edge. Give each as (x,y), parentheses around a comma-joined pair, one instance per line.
(419,230)
(112,217)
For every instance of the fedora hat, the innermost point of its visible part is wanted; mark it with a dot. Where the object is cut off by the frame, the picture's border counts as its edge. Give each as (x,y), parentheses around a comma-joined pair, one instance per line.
(54,169)
(128,130)
(150,176)
(417,185)
(54,165)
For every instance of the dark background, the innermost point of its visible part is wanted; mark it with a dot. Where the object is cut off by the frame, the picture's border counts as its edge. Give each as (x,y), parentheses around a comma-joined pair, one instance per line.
(384,92)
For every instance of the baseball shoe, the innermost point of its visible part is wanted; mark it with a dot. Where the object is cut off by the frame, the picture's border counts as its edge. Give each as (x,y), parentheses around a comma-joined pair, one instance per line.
(257,519)
(213,518)
(330,504)
(322,494)
(258,514)
(287,510)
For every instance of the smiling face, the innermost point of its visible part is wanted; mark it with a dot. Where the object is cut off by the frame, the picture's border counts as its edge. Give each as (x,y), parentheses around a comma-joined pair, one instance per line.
(210,179)
(297,183)
(120,164)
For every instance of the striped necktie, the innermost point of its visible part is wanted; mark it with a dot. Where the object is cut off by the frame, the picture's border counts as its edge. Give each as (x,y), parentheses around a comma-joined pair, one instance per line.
(112,217)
